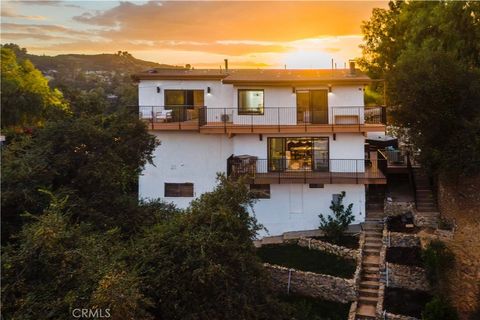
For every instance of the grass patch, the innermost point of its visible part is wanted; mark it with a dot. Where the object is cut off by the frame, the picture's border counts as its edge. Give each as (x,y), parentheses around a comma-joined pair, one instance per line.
(350,242)
(300,258)
(304,308)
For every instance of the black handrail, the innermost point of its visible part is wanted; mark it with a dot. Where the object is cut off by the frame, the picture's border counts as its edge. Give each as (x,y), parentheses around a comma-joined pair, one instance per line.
(411,177)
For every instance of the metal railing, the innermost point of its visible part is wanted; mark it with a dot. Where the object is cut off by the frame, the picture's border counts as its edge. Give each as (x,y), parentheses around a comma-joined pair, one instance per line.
(305,170)
(267,116)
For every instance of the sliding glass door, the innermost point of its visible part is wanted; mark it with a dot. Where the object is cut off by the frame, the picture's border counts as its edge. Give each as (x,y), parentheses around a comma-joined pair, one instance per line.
(298,154)
(312,106)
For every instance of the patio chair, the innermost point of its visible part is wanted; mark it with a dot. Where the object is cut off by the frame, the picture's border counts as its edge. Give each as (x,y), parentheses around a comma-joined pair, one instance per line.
(163,116)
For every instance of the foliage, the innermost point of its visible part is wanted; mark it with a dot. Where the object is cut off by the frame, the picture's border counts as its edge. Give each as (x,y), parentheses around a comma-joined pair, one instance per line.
(96,160)
(305,308)
(438,260)
(439,309)
(428,54)
(335,226)
(202,264)
(26,97)
(56,266)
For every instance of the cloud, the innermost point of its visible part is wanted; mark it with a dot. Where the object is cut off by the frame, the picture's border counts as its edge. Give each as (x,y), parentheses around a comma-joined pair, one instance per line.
(37,36)
(8,12)
(213,21)
(41,29)
(59,3)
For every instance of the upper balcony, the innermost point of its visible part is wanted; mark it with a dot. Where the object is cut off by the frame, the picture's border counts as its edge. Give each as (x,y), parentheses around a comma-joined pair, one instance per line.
(267,120)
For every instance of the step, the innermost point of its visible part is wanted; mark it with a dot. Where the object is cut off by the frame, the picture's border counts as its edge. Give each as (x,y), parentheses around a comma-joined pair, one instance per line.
(369,284)
(368,300)
(365,312)
(373,245)
(365,292)
(371,252)
(371,270)
(371,261)
(370,277)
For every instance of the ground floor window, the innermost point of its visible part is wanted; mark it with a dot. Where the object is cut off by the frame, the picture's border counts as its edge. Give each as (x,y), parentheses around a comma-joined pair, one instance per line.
(178,189)
(316,185)
(298,153)
(260,191)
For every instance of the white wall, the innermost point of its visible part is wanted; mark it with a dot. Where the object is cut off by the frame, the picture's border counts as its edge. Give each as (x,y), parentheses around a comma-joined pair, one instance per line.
(185,157)
(295,207)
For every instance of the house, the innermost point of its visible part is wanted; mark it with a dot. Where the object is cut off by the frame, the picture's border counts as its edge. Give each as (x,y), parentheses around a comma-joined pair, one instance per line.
(297,135)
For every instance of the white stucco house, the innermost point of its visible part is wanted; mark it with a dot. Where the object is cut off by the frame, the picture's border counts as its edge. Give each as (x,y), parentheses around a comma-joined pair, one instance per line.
(298,135)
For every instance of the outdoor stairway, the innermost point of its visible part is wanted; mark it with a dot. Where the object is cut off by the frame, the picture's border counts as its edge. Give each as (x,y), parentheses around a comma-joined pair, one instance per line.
(370,276)
(424,193)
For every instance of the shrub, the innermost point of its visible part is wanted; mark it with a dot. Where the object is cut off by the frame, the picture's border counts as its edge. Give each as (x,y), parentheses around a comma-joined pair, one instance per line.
(438,260)
(334,226)
(439,309)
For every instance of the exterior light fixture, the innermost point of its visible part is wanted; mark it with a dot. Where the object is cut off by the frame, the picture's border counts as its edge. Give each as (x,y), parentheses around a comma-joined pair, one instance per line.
(158,89)
(209,89)
(293,90)
(329,88)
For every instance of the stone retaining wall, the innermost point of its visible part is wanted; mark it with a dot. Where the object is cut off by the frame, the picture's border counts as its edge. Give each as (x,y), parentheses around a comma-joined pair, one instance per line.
(407,277)
(398,239)
(311,284)
(329,247)
(395,208)
(391,316)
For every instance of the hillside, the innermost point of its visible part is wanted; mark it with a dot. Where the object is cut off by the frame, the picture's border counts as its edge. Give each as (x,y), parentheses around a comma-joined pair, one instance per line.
(104,62)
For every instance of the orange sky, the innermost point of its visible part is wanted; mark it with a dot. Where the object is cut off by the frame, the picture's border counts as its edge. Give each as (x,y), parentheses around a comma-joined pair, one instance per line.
(248,33)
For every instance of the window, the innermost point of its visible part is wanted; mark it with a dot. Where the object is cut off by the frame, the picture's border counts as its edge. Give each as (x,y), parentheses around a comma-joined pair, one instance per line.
(298,153)
(178,189)
(185,104)
(316,185)
(261,191)
(250,102)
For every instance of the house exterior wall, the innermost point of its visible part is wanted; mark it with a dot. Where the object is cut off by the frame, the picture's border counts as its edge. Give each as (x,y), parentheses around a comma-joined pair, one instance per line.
(191,157)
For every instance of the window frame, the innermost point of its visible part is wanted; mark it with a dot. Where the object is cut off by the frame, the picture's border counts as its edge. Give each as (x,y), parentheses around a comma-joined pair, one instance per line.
(266,194)
(180,192)
(247,113)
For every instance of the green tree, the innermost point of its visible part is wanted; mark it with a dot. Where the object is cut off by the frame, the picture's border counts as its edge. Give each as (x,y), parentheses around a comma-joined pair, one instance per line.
(439,309)
(96,160)
(428,54)
(202,264)
(335,226)
(56,266)
(27,100)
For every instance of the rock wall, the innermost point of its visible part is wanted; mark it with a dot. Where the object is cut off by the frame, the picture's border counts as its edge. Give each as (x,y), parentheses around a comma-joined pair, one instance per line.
(329,247)
(407,277)
(460,202)
(312,284)
(395,208)
(398,239)
(391,316)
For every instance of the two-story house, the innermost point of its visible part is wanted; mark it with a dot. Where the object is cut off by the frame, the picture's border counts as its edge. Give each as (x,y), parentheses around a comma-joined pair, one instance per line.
(298,135)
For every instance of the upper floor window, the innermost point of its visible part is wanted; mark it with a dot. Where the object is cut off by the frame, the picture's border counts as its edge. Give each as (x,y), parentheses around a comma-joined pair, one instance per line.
(178,189)
(250,101)
(190,98)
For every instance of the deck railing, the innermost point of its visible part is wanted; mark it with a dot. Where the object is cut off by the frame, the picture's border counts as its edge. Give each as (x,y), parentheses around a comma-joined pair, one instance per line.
(301,170)
(268,116)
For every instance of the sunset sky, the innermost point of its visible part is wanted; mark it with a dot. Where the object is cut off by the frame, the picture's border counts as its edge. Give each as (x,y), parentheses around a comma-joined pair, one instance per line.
(249,34)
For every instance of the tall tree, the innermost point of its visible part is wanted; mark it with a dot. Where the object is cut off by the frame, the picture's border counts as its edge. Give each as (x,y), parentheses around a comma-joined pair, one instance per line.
(26,97)
(428,53)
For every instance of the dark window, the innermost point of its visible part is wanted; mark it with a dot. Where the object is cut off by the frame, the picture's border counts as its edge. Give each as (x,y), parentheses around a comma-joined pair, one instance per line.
(261,191)
(336,198)
(315,185)
(185,104)
(178,189)
(250,101)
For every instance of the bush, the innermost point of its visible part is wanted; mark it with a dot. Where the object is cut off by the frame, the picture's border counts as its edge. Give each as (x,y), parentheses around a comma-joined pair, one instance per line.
(439,309)
(438,260)
(335,226)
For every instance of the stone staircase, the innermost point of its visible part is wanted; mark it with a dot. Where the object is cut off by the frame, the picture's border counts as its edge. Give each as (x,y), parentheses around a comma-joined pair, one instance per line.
(370,276)
(427,209)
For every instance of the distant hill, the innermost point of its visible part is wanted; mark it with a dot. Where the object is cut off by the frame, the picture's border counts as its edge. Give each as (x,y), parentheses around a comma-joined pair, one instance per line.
(122,61)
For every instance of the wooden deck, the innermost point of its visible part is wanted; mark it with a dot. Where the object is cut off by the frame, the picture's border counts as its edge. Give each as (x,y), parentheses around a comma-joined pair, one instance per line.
(371,176)
(230,128)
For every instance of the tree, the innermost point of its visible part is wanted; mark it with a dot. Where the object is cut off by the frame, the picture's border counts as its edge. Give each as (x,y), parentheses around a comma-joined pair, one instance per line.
(56,266)
(428,54)
(96,160)
(27,100)
(202,264)
(334,227)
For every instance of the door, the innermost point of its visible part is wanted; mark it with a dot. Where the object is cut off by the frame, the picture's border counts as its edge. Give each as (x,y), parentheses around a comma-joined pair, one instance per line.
(296,198)
(319,106)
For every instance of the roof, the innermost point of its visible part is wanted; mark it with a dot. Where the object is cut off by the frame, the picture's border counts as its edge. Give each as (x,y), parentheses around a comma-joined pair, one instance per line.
(258,76)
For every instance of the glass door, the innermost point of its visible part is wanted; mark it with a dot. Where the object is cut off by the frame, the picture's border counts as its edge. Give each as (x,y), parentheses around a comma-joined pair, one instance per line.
(276,154)
(320,154)
(319,106)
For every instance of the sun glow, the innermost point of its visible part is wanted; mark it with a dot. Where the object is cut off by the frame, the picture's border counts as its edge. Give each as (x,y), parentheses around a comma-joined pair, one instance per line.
(307,59)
